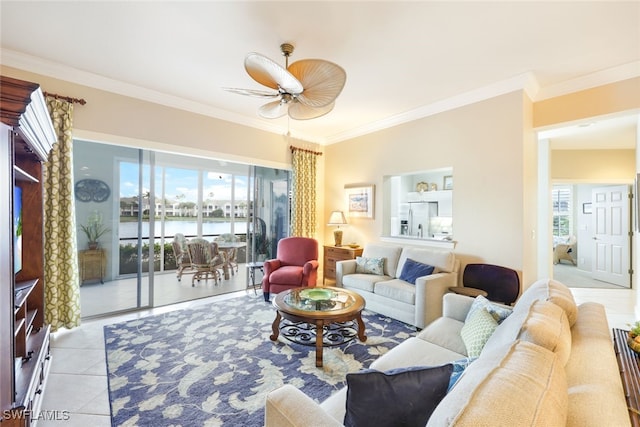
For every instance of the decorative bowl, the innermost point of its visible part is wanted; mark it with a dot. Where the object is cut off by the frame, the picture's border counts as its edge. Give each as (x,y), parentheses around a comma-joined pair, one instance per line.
(317,294)
(353,245)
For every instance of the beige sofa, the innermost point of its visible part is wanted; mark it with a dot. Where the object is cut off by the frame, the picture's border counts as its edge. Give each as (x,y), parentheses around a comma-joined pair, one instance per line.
(550,363)
(386,294)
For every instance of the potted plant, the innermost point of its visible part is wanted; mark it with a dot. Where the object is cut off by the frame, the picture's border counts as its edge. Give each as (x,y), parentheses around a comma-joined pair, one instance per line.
(94,230)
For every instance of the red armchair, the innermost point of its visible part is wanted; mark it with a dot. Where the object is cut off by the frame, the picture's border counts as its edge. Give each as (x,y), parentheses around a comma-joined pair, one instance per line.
(295,266)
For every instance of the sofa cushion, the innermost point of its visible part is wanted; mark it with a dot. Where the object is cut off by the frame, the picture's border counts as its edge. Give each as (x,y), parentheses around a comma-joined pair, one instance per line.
(397,290)
(415,352)
(404,396)
(362,282)
(498,311)
(554,291)
(414,269)
(370,265)
(441,260)
(477,330)
(519,384)
(544,324)
(390,253)
(445,332)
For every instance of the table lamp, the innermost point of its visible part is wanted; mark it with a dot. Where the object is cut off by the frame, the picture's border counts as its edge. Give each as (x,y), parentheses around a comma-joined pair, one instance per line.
(337,218)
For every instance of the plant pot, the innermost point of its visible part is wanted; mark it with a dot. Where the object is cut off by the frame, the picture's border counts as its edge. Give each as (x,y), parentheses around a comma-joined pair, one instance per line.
(93,245)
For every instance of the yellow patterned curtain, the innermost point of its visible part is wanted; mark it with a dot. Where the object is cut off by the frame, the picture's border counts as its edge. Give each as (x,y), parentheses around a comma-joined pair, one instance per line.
(303,201)
(62,289)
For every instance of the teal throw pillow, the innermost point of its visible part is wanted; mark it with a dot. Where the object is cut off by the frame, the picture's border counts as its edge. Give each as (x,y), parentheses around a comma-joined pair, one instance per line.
(411,270)
(370,265)
(458,368)
(477,331)
(399,397)
(497,311)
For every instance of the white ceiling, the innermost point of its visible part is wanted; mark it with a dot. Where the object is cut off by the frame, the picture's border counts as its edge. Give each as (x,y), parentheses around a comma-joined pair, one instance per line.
(403,60)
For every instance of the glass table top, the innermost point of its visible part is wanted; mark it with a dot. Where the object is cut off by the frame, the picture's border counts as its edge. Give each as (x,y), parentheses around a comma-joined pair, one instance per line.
(319,299)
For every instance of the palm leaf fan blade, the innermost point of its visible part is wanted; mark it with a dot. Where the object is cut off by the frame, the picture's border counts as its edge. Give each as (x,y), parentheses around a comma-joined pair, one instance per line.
(300,111)
(268,73)
(252,92)
(273,110)
(322,81)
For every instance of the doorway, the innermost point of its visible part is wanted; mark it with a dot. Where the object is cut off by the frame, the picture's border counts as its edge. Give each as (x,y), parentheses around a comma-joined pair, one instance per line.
(591,242)
(599,150)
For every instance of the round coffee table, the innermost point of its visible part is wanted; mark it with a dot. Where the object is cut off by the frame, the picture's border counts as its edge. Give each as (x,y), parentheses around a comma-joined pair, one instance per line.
(321,307)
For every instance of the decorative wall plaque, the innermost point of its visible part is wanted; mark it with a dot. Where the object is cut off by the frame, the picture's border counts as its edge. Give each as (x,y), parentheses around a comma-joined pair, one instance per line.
(92,190)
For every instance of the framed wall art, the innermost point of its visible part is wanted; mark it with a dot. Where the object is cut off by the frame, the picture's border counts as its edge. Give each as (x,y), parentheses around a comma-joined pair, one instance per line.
(448,182)
(360,200)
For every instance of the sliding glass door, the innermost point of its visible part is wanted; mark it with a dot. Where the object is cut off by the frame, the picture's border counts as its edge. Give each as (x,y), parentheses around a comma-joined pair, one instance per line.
(269,211)
(112,210)
(153,199)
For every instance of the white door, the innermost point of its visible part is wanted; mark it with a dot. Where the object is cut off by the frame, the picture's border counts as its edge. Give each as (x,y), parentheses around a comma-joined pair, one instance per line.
(611,214)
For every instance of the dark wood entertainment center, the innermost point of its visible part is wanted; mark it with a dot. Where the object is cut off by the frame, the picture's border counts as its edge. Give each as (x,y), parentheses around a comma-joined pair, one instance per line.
(26,137)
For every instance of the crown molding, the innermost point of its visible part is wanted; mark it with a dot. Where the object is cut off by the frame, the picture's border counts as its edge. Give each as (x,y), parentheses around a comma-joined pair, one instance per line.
(526,82)
(600,78)
(19,60)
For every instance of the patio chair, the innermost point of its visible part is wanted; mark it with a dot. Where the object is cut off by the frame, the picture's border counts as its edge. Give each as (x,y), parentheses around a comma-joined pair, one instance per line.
(205,260)
(230,253)
(180,252)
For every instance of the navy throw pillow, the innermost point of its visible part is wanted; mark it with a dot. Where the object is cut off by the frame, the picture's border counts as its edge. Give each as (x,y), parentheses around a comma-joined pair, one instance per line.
(411,270)
(399,397)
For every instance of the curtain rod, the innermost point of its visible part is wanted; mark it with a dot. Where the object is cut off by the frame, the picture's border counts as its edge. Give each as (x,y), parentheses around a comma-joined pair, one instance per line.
(66,98)
(306,151)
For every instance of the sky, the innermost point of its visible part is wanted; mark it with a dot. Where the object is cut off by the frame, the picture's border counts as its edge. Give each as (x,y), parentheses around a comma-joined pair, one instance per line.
(182,184)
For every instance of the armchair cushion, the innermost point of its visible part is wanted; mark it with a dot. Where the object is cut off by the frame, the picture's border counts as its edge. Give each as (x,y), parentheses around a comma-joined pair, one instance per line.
(287,275)
(414,269)
(296,265)
(403,396)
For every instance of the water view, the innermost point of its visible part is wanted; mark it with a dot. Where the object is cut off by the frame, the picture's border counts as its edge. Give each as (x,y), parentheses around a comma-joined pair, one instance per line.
(129,230)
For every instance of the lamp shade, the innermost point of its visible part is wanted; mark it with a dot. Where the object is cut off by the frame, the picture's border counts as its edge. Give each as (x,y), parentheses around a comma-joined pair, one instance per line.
(337,218)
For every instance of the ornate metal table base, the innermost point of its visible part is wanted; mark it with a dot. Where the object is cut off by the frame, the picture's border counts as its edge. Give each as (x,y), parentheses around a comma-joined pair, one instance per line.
(333,334)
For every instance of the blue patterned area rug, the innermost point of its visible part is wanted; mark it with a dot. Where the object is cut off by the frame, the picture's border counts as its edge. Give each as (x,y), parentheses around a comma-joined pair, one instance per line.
(214,365)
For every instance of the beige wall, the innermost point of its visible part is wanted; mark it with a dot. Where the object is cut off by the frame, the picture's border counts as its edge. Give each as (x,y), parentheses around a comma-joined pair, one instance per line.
(593,165)
(483,142)
(490,145)
(608,99)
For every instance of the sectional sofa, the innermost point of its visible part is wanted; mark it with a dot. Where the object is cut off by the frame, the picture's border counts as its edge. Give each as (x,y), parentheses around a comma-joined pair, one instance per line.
(384,289)
(548,363)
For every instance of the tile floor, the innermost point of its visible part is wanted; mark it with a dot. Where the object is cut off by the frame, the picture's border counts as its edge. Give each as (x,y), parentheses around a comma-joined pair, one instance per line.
(78,383)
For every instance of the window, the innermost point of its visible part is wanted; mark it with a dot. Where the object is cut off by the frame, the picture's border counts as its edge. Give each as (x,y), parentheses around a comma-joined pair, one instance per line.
(562,211)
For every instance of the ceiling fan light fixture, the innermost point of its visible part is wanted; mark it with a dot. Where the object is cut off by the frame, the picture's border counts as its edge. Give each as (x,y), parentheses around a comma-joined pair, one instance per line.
(307,89)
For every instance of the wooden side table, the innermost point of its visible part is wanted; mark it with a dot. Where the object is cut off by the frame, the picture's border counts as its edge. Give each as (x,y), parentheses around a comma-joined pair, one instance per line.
(629,364)
(333,254)
(93,264)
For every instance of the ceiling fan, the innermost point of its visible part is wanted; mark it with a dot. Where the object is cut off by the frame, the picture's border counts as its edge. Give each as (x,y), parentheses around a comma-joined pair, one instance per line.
(305,89)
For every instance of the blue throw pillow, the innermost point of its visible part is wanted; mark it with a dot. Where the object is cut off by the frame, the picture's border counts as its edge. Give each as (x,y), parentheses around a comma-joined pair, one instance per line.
(399,397)
(458,368)
(411,270)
